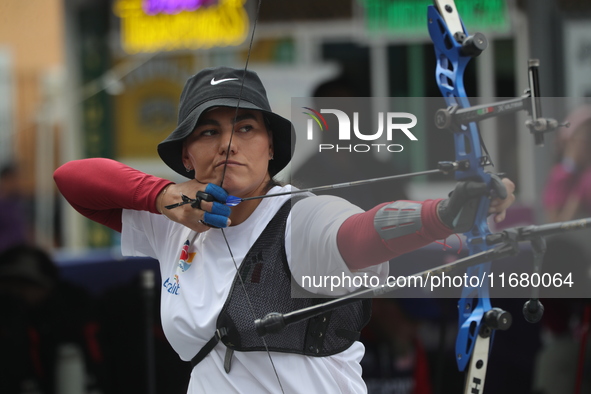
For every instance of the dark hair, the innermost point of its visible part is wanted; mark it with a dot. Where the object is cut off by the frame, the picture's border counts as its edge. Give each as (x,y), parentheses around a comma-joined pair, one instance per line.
(273,170)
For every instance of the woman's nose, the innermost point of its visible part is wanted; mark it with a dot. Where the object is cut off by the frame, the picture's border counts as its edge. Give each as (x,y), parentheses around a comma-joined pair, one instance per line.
(227,142)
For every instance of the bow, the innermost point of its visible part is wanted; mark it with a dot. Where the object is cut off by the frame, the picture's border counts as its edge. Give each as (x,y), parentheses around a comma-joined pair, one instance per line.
(454,49)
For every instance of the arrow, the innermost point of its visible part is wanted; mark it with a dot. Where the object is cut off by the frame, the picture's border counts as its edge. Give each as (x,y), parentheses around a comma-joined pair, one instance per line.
(445,167)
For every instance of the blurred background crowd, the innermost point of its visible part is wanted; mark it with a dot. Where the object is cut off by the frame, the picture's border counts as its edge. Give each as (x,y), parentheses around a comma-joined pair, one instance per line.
(102,78)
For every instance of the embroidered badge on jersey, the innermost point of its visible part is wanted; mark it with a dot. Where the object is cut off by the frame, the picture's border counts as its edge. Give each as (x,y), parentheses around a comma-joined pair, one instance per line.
(172,286)
(186,258)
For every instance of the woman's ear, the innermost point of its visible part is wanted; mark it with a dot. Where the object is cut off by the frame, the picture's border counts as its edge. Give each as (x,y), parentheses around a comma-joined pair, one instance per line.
(186,159)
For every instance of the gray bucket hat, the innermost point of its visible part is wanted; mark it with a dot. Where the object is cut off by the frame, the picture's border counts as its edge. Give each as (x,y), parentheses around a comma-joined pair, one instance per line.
(224,87)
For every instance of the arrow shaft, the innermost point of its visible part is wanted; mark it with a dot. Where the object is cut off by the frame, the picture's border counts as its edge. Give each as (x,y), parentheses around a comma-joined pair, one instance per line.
(342,185)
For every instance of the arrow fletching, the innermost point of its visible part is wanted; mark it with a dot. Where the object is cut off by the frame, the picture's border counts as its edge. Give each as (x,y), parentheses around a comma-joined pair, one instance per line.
(232,201)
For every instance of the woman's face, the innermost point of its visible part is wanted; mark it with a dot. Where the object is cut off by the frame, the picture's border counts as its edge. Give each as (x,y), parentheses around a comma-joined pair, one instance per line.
(250,150)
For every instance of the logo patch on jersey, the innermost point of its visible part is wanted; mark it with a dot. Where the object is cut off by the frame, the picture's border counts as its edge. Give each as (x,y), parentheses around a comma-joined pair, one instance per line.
(186,258)
(172,286)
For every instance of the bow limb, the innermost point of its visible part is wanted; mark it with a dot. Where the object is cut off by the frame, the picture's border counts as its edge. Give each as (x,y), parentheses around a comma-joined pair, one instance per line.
(221,184)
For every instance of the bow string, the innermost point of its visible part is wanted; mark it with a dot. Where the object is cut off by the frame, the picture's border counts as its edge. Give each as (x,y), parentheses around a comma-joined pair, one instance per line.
(250,306)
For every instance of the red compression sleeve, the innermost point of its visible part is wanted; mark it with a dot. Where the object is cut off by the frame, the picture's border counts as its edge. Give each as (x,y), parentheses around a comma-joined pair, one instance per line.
(101,188)
(361,246)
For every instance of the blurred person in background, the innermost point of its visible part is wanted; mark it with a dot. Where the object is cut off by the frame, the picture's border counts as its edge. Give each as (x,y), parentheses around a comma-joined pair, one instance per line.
(395,360)
(560,364)
(40,314)
(567,194)
(13,216)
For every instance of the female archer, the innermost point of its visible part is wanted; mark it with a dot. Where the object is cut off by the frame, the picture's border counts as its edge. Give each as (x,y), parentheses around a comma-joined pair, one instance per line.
(229,266)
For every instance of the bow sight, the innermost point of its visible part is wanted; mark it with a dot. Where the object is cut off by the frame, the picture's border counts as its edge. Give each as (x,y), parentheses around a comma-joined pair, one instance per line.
(454,117)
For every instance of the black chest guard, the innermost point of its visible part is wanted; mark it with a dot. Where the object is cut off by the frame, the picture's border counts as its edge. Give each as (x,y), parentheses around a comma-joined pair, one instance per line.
(268,281)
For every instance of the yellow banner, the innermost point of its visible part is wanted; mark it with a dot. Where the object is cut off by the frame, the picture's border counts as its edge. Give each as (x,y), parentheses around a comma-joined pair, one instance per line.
(147,111)
(223,24)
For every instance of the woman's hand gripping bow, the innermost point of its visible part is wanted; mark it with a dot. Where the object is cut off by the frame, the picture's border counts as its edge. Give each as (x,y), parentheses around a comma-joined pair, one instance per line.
(459,210)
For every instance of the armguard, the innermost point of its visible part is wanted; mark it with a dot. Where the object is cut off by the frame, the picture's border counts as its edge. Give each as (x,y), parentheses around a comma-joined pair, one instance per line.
(398,219)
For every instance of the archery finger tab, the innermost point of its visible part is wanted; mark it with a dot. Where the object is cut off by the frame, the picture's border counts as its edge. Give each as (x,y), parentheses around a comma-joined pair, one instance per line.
(220,209)
(171,206)
(201,196)
(216,221)
(204,196)
(216,192)
(185,200)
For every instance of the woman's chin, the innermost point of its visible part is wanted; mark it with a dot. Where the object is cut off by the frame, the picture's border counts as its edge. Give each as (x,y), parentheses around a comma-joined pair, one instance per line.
(242,190)
(238,191)
(215,179)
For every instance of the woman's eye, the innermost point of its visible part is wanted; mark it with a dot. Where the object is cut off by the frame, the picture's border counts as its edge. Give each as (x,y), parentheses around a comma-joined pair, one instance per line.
(207,132)
(244,129)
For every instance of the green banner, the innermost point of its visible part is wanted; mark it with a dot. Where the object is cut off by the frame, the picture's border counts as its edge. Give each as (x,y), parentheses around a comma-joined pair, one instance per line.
(410,16)
(97,118)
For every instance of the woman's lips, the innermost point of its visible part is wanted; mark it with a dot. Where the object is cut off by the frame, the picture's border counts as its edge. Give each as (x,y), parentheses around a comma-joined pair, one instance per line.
(229,163)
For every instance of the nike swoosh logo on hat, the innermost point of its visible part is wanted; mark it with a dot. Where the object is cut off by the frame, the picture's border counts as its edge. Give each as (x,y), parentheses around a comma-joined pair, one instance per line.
(214,82)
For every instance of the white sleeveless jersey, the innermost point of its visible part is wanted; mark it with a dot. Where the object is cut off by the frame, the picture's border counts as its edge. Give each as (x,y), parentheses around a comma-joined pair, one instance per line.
(197,273)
